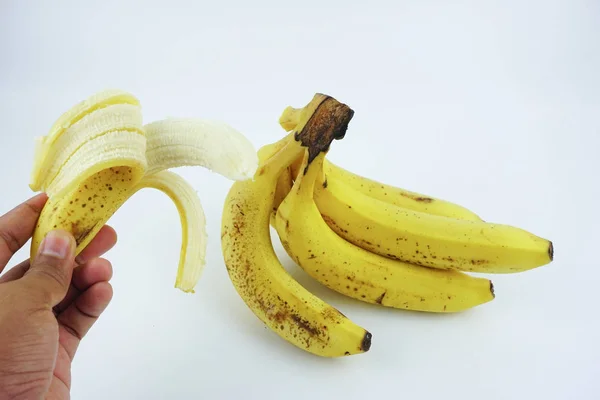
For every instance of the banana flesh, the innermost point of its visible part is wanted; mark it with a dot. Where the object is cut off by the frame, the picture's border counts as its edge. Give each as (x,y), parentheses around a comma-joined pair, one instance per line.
(360,274)
(258,276)
(387,193)
(98,154)
(178,142)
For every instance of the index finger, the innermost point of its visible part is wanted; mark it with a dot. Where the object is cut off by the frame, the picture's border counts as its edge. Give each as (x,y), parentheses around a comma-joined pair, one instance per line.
(16,226)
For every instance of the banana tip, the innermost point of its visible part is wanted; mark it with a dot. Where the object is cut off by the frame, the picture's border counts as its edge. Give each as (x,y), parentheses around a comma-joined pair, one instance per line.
(551,251)
(492,290)
(365,345)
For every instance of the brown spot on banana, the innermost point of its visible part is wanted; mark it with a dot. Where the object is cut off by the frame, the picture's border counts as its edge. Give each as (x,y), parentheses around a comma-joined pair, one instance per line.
(332,314)
(81,219)
(420,199)
(304,324)
(330,221)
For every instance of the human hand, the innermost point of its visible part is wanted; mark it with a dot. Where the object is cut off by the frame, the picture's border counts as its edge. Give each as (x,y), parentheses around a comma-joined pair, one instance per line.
(46,308)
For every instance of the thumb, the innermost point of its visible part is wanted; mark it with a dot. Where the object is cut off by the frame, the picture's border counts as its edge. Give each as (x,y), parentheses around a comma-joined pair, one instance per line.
(49,275)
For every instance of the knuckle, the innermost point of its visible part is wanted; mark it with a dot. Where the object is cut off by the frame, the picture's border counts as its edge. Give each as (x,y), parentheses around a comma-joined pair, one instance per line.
(72,331)
(10,239)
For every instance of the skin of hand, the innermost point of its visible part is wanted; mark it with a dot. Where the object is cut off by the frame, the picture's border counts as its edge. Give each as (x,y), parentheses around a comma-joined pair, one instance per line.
(47,308)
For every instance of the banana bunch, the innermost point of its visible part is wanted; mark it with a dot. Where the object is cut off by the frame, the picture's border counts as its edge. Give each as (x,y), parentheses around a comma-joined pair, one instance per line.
(99,153)
(364,239)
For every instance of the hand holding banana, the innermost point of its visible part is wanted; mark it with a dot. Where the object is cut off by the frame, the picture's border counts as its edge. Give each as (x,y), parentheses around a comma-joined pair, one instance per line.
(367,240)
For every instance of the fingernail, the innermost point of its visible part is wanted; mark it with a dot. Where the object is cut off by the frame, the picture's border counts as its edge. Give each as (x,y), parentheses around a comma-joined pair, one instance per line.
(56,244)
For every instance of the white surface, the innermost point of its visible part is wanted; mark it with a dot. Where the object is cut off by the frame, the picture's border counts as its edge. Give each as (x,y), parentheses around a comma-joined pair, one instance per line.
(495,106)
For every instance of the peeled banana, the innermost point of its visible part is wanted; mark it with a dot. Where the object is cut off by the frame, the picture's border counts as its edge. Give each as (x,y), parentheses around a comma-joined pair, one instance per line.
(267,289)
(98,154)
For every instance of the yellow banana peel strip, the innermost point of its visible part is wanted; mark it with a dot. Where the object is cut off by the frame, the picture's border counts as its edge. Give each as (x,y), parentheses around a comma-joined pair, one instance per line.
(193,224)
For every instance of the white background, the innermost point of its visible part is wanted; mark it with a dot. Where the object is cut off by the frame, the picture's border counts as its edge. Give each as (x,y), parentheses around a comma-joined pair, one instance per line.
(493,105)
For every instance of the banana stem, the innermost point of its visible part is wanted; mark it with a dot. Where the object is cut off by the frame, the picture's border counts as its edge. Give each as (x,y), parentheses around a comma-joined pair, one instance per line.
(308,174)
(280,160)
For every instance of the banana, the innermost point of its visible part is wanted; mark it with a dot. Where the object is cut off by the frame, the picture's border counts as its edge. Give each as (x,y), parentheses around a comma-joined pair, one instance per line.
(283,187)
(268,150)
(387,193)
(358,273)
(425,239)
(399,197)
(98,154)
(280,302)
(284,181)
(421,230)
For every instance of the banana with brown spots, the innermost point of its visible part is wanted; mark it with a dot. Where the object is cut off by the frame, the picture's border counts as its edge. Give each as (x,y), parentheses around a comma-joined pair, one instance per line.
(267,289)
(381,191)
(424,239)
(415,228)
(358,273)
